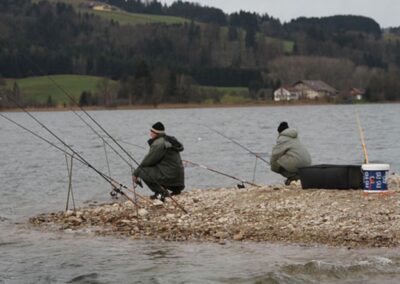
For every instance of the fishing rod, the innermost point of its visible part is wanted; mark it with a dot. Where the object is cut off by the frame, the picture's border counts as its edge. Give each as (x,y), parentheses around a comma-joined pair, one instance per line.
(101,137)
(132,144)
(72,99)
(221,173)
(105,131)
(362,139)
(201,166)
(240,145)
(116,185)
(88,115)
(84,162)
(41,138)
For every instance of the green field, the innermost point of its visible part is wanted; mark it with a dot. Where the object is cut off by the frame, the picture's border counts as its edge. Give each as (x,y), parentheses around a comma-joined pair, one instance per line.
(39,89)
(226,90)
(229,95)
(125,18)
(391,37)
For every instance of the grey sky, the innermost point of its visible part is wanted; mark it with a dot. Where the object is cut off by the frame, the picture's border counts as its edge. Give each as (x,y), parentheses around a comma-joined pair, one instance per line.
(385,12)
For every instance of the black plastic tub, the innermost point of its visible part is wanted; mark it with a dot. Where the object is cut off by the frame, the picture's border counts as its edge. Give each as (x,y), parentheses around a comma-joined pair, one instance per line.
(331,177)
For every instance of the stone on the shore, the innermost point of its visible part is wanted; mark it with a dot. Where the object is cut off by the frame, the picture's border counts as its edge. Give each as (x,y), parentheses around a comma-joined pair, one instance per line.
(143,212)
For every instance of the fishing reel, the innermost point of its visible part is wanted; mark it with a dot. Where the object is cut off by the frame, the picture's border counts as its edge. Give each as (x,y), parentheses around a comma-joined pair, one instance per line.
(139,183)
(115,192)
(241,185)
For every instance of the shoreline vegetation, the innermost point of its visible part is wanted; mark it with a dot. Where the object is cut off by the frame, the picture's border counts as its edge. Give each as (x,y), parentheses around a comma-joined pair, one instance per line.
(55,92)
(275,213)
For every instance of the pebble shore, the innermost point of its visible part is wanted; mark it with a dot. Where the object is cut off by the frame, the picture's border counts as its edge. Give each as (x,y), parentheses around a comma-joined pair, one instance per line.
(276,213)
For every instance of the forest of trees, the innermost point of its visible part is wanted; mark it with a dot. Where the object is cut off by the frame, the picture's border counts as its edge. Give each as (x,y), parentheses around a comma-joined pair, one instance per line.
(157,63)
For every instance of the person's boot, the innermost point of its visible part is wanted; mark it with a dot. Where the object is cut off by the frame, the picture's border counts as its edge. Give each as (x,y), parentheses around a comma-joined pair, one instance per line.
(154,196)
(289,180)
(162,197)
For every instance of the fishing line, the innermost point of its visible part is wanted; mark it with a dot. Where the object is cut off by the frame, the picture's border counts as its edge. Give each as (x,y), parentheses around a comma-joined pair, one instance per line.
(82,109)
(202,166)
(102,138)
(116,185)
(221,173)
(98,125)
(237,143)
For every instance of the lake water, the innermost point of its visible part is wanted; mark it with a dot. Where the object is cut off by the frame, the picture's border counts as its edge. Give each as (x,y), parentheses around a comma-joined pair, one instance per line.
(34,180)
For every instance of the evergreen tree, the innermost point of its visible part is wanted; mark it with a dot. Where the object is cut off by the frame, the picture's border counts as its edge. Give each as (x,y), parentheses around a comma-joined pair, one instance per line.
(250,38)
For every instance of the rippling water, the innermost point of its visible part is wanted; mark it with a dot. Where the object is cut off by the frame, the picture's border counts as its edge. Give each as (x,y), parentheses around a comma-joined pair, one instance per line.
(34,180)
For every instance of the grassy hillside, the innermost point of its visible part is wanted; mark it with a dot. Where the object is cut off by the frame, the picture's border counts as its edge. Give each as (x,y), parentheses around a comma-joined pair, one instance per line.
(387,36)
(122,17)
(38,89)
(125,18)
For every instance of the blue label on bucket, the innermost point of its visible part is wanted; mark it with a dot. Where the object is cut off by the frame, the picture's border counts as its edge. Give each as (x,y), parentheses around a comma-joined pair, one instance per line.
(375,180)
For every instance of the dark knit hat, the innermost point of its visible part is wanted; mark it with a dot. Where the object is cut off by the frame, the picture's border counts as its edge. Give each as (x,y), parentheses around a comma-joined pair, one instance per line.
(282,126)
(158,128)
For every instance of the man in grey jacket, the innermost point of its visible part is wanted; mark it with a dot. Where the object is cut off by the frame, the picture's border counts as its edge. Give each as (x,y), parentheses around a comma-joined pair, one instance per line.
(288,155)
(162,168)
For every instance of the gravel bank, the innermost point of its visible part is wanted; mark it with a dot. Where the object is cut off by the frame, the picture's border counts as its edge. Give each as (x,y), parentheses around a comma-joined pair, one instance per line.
(272,213)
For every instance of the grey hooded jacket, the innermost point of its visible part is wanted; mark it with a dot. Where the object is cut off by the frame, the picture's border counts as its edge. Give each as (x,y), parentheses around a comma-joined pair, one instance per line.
(289,153)
(163,164)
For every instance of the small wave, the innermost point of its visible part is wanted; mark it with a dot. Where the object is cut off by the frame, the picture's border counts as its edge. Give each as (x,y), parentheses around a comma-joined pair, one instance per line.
(380,260)
(85,278)
(270,277)
(361,269)
(8,243)
(69,265)
(321,268)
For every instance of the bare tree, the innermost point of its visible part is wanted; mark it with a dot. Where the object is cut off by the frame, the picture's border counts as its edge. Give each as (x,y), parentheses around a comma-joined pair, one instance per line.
(341,73)
(107,91)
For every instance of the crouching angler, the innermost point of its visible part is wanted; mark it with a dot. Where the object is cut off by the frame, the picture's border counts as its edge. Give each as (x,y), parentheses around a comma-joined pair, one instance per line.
(288,155)
(162,168)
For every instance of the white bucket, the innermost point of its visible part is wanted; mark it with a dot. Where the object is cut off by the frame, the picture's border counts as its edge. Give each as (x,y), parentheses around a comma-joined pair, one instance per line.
(375,177)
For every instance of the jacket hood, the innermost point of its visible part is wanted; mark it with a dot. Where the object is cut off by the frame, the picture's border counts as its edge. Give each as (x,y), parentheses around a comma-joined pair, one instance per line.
(169,141)
(290,132)
(172,142)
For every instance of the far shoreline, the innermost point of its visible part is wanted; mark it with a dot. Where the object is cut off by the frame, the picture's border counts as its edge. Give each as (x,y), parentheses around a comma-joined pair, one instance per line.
(186,106)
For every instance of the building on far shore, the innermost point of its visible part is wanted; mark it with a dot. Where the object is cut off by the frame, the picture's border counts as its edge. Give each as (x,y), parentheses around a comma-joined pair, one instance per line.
(286,93)
(352,95)
(314,89)
(356,94)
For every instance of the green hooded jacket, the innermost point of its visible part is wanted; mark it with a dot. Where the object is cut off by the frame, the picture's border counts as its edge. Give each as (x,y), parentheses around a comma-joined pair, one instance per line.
(289,153)
(163,163)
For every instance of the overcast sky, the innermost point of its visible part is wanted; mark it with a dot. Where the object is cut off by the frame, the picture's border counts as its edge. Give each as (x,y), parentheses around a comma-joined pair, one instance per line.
(385,12)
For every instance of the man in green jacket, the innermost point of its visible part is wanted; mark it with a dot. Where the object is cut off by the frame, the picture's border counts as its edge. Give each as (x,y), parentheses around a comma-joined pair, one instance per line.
(162,168)
(288,155)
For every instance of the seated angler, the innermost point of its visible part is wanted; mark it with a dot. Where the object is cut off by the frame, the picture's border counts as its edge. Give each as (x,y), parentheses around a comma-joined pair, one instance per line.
(162,168)
(288,155)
